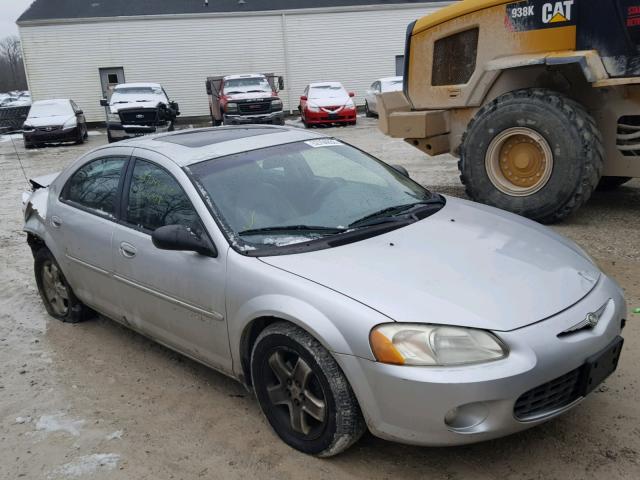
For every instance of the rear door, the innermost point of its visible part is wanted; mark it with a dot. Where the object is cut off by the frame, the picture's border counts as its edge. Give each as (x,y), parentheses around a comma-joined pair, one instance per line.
(177,298)
(83,218)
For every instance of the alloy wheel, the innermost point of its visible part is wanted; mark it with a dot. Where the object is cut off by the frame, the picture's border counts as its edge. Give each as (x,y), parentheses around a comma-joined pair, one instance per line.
(55,288)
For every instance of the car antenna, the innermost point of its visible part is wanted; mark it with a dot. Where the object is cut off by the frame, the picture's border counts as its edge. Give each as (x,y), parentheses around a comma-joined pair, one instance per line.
(15,149)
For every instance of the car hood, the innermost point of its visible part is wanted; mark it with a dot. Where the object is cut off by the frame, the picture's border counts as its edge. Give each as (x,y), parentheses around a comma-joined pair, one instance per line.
(116,107)
(250,96)
(336,101)
(51,121)
(467,265)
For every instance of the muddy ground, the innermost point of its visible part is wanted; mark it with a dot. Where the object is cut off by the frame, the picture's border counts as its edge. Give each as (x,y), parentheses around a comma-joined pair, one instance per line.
(95,400)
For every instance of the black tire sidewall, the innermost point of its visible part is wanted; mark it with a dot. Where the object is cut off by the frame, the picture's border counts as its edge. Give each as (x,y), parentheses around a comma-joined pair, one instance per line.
(40,258)
(261,353)
(553,123)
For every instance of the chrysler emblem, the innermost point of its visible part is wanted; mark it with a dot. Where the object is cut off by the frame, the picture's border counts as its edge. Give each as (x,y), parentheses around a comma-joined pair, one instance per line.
(590,321)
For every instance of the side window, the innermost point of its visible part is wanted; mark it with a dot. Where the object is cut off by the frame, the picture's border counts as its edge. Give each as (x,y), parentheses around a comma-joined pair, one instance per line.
(454,58)
(95,186)
(156,199)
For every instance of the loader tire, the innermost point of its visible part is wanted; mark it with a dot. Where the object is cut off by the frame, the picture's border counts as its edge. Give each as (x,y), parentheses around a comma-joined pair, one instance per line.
(611,183)
(534,152)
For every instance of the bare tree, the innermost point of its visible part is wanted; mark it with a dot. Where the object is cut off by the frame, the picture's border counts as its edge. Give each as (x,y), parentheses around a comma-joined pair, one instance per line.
(12,76)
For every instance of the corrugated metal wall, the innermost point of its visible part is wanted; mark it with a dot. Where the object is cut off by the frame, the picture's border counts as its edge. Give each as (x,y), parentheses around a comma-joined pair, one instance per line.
(354,47)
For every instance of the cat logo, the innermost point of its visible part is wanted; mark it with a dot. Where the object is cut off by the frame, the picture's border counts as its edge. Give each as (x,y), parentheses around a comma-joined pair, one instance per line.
(557,12)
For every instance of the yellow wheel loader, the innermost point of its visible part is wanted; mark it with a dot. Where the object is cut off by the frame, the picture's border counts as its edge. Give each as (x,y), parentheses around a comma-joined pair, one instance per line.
(539,99)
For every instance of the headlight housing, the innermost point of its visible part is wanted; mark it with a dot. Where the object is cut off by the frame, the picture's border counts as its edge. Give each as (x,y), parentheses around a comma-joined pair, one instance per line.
(71,123)
(434,345)
(27,128)
(231,108)
(350,104)
(113,118)
(276,104)
(312,107)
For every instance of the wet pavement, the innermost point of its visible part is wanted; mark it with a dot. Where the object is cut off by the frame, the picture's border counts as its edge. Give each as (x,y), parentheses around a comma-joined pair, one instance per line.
(95,400)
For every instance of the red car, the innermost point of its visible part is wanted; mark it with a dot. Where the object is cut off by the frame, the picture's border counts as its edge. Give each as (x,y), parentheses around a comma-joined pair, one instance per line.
(327,103)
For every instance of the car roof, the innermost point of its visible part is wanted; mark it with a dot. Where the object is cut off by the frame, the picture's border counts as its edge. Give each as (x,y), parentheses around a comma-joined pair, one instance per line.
(390,79)
(246,75)
(52,101)
(138,85)
(186,147)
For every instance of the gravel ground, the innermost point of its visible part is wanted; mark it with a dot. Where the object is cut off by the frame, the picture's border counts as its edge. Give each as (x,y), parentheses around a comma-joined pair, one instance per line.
(95,400)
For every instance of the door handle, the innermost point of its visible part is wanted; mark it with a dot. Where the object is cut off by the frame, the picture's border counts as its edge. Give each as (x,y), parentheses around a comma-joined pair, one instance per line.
(127,250)
(56,222)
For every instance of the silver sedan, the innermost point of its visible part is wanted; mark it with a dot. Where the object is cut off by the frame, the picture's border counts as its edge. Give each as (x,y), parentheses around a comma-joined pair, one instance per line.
(344,294)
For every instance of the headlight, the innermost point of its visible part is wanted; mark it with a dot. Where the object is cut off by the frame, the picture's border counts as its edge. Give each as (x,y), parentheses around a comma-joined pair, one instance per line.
(231,107)
(71,123)
(313,108)
(27,128)
(113,117)
(276,104)
(433,345)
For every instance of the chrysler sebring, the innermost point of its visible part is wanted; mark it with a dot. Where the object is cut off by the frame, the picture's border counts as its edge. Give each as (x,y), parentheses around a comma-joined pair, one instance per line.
(341,292)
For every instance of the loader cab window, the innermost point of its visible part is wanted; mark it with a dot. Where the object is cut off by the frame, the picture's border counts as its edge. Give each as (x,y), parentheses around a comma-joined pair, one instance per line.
(454,58)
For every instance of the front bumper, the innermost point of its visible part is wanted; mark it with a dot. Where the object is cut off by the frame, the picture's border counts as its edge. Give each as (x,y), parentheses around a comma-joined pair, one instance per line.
(119,131)
(276,118)
(35,137)
(318,118)
(410,404)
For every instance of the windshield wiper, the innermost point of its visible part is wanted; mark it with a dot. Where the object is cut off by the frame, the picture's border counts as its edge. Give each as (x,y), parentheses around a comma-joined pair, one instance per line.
(258,91)
(392,214)
(292,229)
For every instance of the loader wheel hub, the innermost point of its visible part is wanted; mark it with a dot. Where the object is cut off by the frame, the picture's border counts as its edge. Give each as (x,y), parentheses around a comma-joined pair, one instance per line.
(519,162)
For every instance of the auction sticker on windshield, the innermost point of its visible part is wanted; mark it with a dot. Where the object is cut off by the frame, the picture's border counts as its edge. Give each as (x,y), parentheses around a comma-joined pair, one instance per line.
(324,142)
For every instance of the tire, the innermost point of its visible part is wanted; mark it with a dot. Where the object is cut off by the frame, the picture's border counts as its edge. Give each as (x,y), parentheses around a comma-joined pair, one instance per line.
(172,127)
(53,288)
(81,138)
(295,351)
(611,183)
(29,146)
(86,133)
(110,139)
(566,145)
(368,112)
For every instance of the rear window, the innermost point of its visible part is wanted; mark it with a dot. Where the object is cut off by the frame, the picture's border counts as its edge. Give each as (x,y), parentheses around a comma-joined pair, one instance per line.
(454,58)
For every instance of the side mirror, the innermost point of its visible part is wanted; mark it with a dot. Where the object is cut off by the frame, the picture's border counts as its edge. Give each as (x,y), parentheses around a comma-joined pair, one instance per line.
(280,83)
(175,107)
(402,170)
(304,98)
(180,238)
(352,94)
(104,102)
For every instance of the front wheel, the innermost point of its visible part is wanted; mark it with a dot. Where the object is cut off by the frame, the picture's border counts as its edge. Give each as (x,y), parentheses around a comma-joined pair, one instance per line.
(534,152)
(56,294)
(303,392)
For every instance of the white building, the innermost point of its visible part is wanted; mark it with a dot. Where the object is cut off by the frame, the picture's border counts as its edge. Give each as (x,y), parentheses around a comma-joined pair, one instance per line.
(74,48)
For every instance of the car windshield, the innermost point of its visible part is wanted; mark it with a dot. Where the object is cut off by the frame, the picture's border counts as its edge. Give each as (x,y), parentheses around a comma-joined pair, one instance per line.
(245,85)
(304,191)
(133,94)
(50,109)
(318,92)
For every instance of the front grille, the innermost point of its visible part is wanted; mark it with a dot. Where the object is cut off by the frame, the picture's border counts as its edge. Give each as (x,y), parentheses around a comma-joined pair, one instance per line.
(628,138)
(48,129)
(255,108)
(549,397)
(139,116)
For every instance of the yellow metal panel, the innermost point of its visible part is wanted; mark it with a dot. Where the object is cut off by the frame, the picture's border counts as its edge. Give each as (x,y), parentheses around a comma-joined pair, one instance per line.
(454,11)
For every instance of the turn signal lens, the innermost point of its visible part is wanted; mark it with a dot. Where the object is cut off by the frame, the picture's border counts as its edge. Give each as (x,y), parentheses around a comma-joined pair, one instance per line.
(434,345)
(383,349)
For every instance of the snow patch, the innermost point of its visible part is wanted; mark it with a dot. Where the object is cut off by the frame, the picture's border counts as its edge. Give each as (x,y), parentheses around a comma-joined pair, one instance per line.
(86,465)
(94,133)
(8,138)
(23,420)
(57,423)
(117,435)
